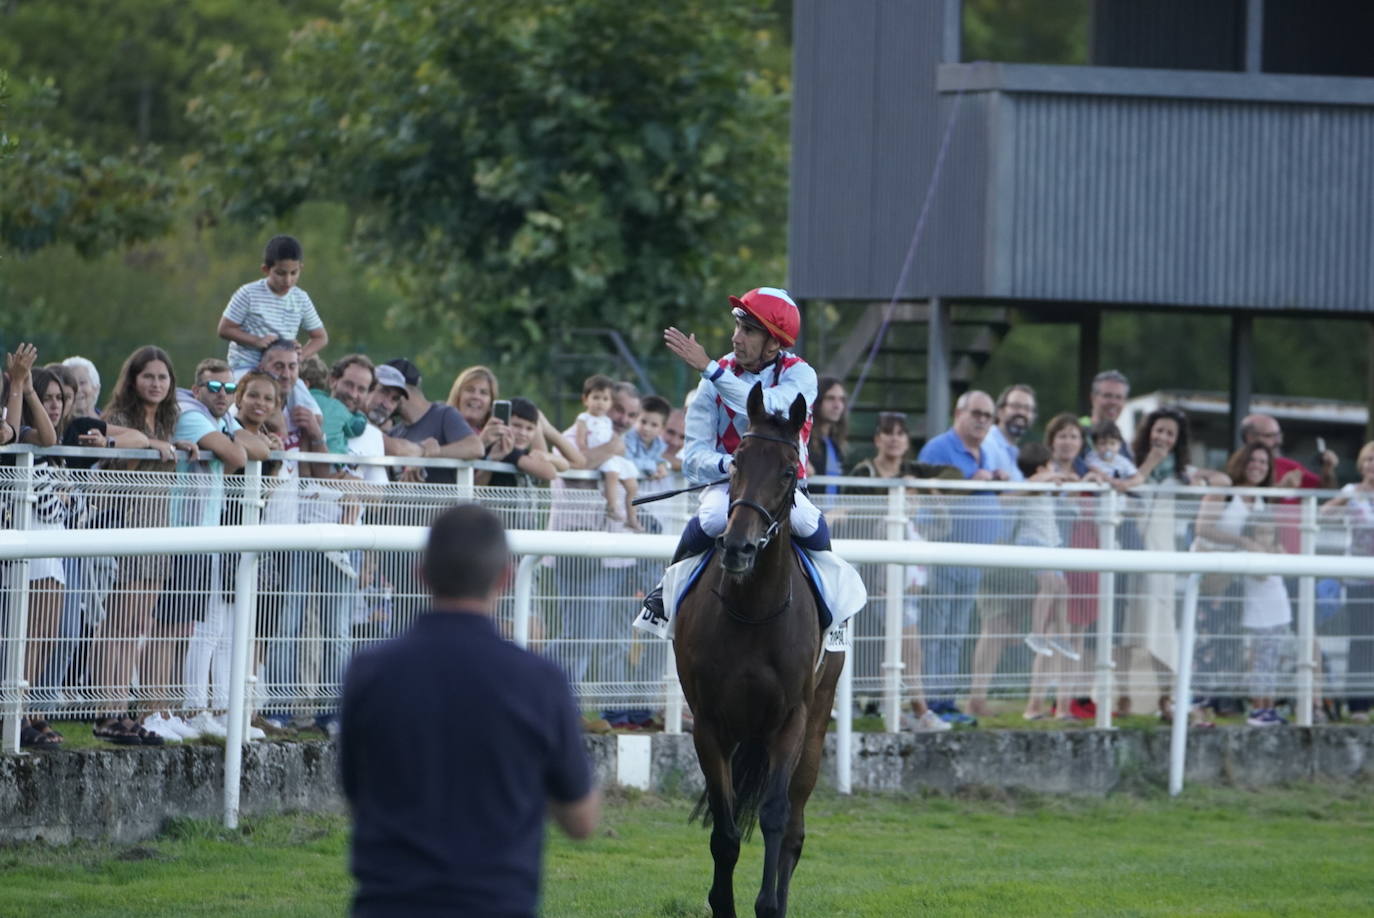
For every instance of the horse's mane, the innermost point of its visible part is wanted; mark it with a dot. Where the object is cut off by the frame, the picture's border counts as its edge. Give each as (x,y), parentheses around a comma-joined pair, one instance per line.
(775,422)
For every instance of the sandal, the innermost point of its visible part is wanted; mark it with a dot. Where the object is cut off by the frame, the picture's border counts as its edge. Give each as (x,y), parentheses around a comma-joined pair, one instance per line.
(126,732)
(33,736)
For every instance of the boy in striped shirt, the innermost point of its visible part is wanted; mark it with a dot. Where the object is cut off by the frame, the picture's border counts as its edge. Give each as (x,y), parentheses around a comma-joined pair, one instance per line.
(270,308)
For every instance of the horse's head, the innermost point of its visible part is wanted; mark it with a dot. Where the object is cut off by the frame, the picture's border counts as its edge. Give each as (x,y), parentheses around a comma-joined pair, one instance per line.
(763,482)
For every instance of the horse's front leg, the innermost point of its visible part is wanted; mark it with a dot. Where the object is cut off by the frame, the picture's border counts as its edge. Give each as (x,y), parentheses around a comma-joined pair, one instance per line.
(804,777)
(715,768)
(775,811)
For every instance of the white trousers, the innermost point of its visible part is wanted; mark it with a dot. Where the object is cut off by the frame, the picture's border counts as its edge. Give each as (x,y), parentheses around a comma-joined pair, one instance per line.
(715,502)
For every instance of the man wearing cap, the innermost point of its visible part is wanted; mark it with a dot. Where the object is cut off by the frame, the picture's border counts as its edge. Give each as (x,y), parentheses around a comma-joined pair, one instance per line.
(436,427)
(766,321)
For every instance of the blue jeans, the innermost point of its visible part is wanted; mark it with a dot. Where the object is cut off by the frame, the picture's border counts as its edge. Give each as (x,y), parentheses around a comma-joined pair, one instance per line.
(335,600)
(946,619)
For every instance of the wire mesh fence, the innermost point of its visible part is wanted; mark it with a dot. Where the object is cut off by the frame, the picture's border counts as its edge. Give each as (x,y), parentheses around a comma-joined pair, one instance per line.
(120,632)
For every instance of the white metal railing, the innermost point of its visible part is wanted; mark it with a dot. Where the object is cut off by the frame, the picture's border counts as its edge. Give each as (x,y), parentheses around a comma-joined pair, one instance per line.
(571,607)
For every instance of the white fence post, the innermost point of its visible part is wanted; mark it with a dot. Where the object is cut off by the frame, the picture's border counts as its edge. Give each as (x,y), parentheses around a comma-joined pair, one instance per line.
(524,590)
(16,685)
(844,729)
(1183,686)
(241,651)
(892,626)
(1105,692)
(1307,618)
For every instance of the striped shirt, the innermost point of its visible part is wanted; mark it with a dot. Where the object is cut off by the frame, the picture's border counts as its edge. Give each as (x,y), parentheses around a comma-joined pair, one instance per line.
(259,311)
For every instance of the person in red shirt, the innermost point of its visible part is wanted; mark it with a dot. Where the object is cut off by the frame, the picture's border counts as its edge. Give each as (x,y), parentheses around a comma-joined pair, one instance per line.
(1288,473)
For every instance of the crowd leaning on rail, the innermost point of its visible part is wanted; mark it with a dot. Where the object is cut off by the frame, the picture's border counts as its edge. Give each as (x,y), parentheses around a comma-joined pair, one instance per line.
(140,644)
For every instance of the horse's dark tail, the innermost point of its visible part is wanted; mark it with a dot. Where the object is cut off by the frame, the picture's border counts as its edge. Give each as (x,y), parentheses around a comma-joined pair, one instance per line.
(749,767)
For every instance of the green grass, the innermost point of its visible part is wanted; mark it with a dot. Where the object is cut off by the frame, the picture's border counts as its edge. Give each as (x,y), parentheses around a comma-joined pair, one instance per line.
(1302,850)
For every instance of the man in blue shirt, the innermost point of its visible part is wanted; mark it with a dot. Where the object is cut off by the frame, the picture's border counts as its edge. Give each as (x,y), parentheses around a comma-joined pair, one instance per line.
(454,744)
(948,613)
(1015,413)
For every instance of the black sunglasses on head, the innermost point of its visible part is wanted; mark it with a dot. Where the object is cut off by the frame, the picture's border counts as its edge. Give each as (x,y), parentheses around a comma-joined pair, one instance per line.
(214,385)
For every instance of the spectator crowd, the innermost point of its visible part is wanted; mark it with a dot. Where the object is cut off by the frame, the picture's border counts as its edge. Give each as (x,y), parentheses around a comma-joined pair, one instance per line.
(157,622)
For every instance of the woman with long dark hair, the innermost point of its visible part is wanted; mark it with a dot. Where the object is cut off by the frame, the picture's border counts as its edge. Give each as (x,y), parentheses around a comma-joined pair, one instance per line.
(1149,639)
(830,431)
(144,400)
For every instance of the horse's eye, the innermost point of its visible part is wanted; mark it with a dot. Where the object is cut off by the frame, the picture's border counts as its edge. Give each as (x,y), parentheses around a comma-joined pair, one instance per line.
(790,473)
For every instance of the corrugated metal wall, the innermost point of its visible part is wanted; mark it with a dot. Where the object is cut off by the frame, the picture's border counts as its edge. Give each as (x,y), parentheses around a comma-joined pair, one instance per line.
(1187,202)
(1065,190)
(866,127)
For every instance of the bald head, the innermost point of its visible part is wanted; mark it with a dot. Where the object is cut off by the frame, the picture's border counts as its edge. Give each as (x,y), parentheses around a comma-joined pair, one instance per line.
(973,417)
(1261,428)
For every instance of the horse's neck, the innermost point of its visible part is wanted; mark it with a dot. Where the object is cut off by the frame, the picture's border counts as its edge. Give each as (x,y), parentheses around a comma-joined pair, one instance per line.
(762,580)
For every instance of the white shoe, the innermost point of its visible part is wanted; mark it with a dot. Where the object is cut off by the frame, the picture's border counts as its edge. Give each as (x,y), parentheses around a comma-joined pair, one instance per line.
(157,723)
(340,560)
(929,722)
(206,724)
(1063,649)
(1038,643)
(181,726)
(256,733)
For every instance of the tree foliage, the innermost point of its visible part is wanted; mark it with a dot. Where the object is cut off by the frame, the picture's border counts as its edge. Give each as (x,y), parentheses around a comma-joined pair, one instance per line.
(53,191)
(522,168)
(127,67)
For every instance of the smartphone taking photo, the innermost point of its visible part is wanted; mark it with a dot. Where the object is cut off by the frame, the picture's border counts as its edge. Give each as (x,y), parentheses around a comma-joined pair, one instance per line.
(500,409)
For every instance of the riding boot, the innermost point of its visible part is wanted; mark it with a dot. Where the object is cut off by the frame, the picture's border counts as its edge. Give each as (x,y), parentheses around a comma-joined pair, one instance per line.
(816,541)
(694,541)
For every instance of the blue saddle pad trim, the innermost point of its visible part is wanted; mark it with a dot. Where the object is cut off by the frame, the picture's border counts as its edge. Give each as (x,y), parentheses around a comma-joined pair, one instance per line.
(813,578)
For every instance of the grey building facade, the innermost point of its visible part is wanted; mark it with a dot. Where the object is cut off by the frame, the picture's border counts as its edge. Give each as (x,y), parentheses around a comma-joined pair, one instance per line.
(1214,156)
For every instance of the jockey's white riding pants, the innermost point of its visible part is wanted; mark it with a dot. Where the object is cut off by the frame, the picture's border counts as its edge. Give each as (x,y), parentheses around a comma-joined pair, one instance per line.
(715,502)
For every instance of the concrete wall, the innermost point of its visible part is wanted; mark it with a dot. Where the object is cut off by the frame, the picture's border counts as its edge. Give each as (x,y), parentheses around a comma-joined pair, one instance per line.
(128,794)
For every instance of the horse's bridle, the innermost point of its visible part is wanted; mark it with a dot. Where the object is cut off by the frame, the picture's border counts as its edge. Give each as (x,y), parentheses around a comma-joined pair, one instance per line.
(774,520)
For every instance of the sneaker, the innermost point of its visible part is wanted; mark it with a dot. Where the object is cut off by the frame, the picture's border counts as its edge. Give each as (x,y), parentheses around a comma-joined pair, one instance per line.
(159,725)
(929,722)
(1061,648)
(1359,717)
(276,722)
(181,726)
(341,561)
(1264,717)
(955,716)
(1083,710)
(1038,643)
(209,725)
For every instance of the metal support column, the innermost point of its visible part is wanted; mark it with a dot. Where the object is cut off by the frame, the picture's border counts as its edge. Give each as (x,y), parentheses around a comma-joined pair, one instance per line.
(1242,372)
(937,368)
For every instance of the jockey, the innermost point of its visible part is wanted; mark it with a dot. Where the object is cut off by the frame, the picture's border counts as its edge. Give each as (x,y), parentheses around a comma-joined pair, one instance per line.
(766,321)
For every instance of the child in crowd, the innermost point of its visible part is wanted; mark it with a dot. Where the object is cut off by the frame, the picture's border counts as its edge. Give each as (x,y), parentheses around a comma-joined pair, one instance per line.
(594,429)
(645,446)
(1266,619)
(1105,455)
(1037,526)
(273,307)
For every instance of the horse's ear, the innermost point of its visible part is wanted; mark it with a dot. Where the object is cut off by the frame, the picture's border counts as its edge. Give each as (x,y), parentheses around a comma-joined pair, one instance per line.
(755,403)
(797,413)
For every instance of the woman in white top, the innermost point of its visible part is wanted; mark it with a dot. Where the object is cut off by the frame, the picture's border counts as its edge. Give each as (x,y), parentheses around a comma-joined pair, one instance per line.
(1149,640)
(1356,503)
(1223,524)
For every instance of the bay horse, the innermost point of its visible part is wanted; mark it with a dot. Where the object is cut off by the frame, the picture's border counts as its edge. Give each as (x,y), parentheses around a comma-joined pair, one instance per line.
(747,640)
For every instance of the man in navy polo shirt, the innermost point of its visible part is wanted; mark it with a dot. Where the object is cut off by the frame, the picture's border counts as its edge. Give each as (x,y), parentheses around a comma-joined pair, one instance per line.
(947,615)
(454,743)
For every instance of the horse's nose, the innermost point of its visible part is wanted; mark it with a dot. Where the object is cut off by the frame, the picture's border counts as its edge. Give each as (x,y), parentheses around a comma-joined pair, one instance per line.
(740,557)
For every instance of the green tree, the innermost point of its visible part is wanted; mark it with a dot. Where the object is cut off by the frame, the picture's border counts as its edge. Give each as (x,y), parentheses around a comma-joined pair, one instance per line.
(127,67)
(522,168)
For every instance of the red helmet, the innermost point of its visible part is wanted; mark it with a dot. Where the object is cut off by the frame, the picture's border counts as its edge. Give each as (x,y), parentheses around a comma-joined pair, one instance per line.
(774,309)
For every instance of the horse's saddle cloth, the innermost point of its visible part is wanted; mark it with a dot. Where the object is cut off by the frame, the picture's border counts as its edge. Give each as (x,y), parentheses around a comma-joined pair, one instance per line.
(838,589)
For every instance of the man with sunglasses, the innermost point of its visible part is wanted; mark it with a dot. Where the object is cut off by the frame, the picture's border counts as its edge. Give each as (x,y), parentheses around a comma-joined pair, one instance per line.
(767,322)
(947,616)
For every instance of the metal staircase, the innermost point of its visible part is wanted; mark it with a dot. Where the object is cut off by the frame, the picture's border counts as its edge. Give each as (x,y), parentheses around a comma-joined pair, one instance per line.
(896,380)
